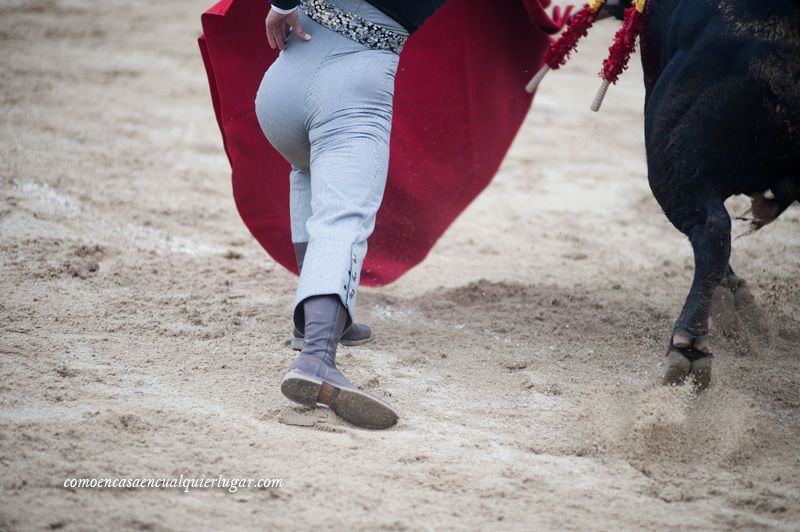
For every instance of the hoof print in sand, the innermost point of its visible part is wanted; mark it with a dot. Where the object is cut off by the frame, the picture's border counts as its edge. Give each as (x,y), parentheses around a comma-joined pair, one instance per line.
(85,261)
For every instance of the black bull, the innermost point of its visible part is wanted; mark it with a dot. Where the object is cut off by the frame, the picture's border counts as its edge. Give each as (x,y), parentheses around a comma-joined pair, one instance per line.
(722,117)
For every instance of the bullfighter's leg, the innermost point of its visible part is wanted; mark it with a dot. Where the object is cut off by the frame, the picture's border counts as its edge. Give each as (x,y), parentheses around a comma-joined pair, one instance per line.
(710,236)
(300,212)
(356,334)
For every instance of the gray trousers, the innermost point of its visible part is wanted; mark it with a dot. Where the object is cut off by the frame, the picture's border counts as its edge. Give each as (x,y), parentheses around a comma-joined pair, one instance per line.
(326,106)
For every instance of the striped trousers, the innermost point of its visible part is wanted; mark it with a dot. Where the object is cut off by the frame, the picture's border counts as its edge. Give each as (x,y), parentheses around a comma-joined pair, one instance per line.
(326,106)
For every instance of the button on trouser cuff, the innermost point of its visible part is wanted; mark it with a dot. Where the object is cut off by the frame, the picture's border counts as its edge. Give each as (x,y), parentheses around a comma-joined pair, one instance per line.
(330,268)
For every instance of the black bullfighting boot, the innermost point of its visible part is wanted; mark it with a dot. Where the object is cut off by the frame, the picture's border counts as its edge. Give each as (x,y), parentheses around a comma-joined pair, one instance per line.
(356,334)
(313,378)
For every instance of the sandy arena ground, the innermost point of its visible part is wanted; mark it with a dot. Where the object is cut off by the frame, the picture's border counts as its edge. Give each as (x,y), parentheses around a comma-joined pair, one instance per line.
(143,331)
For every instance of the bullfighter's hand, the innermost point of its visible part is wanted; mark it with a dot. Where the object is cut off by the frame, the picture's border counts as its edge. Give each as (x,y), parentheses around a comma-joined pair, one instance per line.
(278,26)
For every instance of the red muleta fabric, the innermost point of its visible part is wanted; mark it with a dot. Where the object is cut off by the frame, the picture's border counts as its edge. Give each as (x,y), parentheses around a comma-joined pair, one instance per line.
(459,102)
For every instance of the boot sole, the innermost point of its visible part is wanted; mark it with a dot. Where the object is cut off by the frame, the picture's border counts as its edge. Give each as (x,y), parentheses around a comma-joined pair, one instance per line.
(297,343)
(352,405)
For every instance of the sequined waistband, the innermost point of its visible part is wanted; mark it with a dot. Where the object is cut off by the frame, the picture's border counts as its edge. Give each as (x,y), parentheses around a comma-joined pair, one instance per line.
(353,27)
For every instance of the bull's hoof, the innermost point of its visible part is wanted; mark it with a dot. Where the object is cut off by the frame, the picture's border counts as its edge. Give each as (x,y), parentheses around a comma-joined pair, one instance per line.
(688,356)
(701,372)
(676,368)
(690,345)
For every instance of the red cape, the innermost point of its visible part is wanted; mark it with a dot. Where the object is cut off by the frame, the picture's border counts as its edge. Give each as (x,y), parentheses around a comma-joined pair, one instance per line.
(459,102)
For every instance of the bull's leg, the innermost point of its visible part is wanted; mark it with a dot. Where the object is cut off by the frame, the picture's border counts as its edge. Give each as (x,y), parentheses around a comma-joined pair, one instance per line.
(732,302)
(723,304)
(688,352)
(735,313)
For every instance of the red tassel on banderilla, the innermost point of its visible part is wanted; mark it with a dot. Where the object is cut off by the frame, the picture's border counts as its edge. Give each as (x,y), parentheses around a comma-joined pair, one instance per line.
(559,50)
(619,53)
(621,50)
